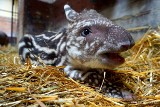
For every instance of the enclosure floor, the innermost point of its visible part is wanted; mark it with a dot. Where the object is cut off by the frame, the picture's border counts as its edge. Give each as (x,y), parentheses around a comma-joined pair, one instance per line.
(31,85)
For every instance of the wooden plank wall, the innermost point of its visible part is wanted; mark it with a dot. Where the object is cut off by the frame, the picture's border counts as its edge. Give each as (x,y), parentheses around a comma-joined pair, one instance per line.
(135,15)
(41,16)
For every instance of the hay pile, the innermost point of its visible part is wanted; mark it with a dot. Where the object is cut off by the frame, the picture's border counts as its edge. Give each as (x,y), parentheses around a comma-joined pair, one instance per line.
(33,86)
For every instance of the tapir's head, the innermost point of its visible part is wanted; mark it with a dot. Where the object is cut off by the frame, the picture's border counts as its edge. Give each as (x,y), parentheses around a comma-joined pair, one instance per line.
(94,41)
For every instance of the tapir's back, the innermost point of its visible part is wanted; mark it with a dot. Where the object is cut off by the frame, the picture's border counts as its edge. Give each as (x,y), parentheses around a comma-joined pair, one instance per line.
(44,47)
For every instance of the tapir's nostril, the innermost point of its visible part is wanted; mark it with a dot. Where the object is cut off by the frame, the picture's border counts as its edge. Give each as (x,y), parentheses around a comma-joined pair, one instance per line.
(128,42)
(127,46)
(132,43)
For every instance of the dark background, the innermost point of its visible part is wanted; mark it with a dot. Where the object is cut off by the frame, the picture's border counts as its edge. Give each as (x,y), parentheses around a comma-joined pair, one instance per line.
(137,16)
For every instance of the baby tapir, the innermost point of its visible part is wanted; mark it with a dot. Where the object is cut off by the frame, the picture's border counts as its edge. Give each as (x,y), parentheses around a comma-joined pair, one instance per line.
(88,46)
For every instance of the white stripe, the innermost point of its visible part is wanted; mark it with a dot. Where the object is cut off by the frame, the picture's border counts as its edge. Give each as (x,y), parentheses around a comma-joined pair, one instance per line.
(62,47)
(73,73)
(43,36)
(56,37)
(59,44)
(24,52)
(63,59)
(49,61)
(21,44)
(45,49)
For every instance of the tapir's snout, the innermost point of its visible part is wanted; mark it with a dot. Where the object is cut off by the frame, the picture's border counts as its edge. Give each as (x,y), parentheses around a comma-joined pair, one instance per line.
(120,38)
(117,40)
(127,41)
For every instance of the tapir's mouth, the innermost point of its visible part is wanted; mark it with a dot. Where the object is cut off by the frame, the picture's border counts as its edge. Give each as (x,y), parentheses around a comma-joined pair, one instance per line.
(111,59)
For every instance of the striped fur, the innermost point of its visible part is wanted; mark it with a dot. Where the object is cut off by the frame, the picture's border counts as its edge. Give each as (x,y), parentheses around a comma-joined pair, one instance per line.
(88,46)
(47,46)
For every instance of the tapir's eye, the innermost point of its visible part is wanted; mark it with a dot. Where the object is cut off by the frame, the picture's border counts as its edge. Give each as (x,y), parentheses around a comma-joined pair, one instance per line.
(85,32)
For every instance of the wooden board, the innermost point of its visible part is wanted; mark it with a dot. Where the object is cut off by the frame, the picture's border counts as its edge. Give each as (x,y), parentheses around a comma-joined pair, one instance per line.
(135,15)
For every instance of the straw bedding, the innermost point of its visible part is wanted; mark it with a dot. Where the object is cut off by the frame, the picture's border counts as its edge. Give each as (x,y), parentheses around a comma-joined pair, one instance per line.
(34,86)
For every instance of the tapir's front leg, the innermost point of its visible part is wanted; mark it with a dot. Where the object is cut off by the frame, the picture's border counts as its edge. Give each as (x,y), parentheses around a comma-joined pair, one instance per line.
(94,79)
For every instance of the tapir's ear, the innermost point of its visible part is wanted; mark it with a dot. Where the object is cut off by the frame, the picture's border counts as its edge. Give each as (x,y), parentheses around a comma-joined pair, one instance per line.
(71,15)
